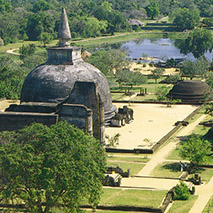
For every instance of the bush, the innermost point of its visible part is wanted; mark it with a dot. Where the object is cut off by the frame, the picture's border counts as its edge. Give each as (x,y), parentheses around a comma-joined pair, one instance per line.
(181,192)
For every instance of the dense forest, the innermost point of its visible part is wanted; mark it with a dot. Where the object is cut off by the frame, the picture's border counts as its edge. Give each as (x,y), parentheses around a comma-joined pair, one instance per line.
(36,19)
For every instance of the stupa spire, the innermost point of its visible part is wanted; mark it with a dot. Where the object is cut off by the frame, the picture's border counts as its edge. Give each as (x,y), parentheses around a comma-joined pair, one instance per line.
(64,34)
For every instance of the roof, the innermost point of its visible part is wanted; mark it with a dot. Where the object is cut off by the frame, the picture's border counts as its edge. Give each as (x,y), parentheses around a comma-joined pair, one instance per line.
(135,22)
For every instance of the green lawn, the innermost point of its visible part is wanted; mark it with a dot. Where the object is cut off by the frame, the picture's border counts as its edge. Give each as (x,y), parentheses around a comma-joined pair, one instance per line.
(174,155)
(129,197)
(131,159)
(183,206)
(205,173)
(167,170)
(209,206)
(133,167)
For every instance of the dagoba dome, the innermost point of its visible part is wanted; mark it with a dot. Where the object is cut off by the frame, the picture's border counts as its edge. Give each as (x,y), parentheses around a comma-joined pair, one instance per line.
(190,91)
(54,81)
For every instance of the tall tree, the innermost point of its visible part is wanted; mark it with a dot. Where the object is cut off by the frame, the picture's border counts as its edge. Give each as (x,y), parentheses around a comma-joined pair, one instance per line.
(44,166)
(196,150)
(198,42)
(186,18)
(153,10)
(191,69)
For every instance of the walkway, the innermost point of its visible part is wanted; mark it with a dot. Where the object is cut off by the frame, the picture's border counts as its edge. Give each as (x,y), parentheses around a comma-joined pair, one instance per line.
(159,157)
(204,193)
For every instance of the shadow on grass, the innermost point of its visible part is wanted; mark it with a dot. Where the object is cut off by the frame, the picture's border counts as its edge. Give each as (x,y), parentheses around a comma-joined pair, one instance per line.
(173,167)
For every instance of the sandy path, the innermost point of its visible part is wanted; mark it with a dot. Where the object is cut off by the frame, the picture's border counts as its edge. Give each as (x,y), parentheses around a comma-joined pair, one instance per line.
(147,69)
(5,103)
(204,193)
(159,157)
(11,51)
(149,183)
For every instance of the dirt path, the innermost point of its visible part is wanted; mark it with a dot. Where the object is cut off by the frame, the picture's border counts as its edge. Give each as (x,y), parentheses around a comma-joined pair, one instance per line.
(159,157)
(204,193)
(11,51)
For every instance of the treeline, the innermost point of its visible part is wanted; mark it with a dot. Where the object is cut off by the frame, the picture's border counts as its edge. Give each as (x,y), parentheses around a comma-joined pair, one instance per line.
(30,19)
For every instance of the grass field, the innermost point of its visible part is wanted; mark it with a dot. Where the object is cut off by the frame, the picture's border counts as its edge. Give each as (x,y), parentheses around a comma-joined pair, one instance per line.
(209,206)
(132,166)
(182,206)
(127,197)
(167,170)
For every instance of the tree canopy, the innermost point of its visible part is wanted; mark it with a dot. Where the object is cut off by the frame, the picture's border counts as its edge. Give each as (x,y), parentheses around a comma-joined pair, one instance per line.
(186,18)
(108,60)
(196,149)
(198,42)
(191,69)
(42,167)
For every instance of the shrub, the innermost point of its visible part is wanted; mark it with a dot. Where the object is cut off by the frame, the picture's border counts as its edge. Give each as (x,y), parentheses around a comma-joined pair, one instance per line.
(181,192)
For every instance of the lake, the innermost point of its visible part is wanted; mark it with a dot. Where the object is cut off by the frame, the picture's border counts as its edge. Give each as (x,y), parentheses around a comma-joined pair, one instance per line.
(162,48)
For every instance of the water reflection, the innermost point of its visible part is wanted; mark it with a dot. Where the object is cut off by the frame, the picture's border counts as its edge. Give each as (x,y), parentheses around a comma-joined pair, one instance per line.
(160,48)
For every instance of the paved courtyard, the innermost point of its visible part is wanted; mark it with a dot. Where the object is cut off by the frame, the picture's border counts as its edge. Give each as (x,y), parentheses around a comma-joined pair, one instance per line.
(151,123)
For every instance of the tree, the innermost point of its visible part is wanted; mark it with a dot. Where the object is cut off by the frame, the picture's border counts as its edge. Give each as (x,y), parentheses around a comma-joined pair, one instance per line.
(198,42)
(44,166)
(196,150)
(5,5)
(181,192)
(186,19)
(124,76)
(109,60)
(209,80)
(27,50)
(161,93)
(194,68)
(153,10)
(1,42)
(45,38)
(93,27)
(157,73)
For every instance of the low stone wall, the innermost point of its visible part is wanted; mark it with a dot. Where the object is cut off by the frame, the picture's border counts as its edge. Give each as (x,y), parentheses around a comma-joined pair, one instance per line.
(14,120)
(125,208)
(160,142)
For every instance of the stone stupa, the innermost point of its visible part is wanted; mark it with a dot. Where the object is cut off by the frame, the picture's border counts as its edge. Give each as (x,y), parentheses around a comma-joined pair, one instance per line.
(64,88)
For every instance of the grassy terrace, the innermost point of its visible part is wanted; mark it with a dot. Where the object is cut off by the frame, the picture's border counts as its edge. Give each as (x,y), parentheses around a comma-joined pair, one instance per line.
(129,197)
(209,206)
(107,39)
(131,162)
(182,206)
(167,170)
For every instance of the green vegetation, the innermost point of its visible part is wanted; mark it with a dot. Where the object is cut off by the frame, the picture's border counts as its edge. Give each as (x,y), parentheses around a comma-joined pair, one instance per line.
(183,206)
(205,173)
(185,18)
(196,149)
(167,170)
(132,166)
(132,197)
(41,164)
(209,206)
(197,42)
(181,192)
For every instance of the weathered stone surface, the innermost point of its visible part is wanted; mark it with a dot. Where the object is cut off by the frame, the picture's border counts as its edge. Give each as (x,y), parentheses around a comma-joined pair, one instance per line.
(18,120)
(64,34)
(190,91)
(54,83)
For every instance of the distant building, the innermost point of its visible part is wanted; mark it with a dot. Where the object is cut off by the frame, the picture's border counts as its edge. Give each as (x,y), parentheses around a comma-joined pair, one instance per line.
(135,23)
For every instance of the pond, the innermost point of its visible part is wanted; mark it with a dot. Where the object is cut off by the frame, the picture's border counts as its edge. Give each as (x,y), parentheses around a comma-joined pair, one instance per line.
(162,48)
(159,48)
